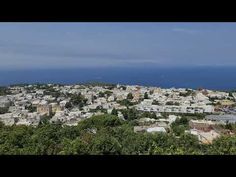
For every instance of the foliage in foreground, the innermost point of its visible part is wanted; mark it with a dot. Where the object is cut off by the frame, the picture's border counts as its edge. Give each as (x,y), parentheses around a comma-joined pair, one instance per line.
(99,135)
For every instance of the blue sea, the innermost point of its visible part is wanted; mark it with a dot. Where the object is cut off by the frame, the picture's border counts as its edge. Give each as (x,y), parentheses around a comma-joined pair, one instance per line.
(216,78)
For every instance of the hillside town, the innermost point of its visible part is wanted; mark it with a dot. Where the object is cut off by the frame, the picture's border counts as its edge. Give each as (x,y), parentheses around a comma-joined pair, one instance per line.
(209,111)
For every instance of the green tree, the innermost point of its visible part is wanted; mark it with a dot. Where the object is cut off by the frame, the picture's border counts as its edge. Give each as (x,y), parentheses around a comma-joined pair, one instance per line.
(145,95)
(125,102)
(224,145)
(14,140)
(100,121)
(149,115)
(179,126)
(130,114)
(74,147)
(130,96)
(78,100)
(105,144)
(46,140)
(114,112)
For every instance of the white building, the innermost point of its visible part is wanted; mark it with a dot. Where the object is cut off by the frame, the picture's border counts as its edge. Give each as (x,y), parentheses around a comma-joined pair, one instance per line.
(156,129)
(205,137)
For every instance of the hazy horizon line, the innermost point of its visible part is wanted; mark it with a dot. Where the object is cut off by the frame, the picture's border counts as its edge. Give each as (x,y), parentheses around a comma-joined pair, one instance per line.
(120,67)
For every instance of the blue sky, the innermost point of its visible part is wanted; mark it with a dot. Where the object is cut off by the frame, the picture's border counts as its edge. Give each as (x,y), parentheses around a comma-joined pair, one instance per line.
(75,45)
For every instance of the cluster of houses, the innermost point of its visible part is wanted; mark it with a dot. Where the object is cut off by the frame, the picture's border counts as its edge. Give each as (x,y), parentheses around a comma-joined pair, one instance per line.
(27,105)
(24,97)
(175,103)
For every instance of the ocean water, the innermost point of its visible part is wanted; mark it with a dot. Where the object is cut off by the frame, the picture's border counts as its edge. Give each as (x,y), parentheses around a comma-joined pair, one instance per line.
(216,78)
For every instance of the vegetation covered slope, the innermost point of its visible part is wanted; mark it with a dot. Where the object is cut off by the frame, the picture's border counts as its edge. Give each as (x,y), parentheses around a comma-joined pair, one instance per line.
(99,135)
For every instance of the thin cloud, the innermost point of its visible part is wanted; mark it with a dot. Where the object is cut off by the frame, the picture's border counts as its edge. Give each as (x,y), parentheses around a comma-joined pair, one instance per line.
(59,51)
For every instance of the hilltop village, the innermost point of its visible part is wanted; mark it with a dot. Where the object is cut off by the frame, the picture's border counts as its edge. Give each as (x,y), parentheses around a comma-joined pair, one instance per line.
(205,113)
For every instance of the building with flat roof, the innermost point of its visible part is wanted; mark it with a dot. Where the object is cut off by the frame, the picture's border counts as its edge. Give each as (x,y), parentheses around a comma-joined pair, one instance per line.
(44,109)
(226,118)
(205,137)
(202,125)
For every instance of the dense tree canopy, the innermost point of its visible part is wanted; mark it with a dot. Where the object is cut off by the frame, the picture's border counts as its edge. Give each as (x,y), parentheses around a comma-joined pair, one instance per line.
(104,134)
